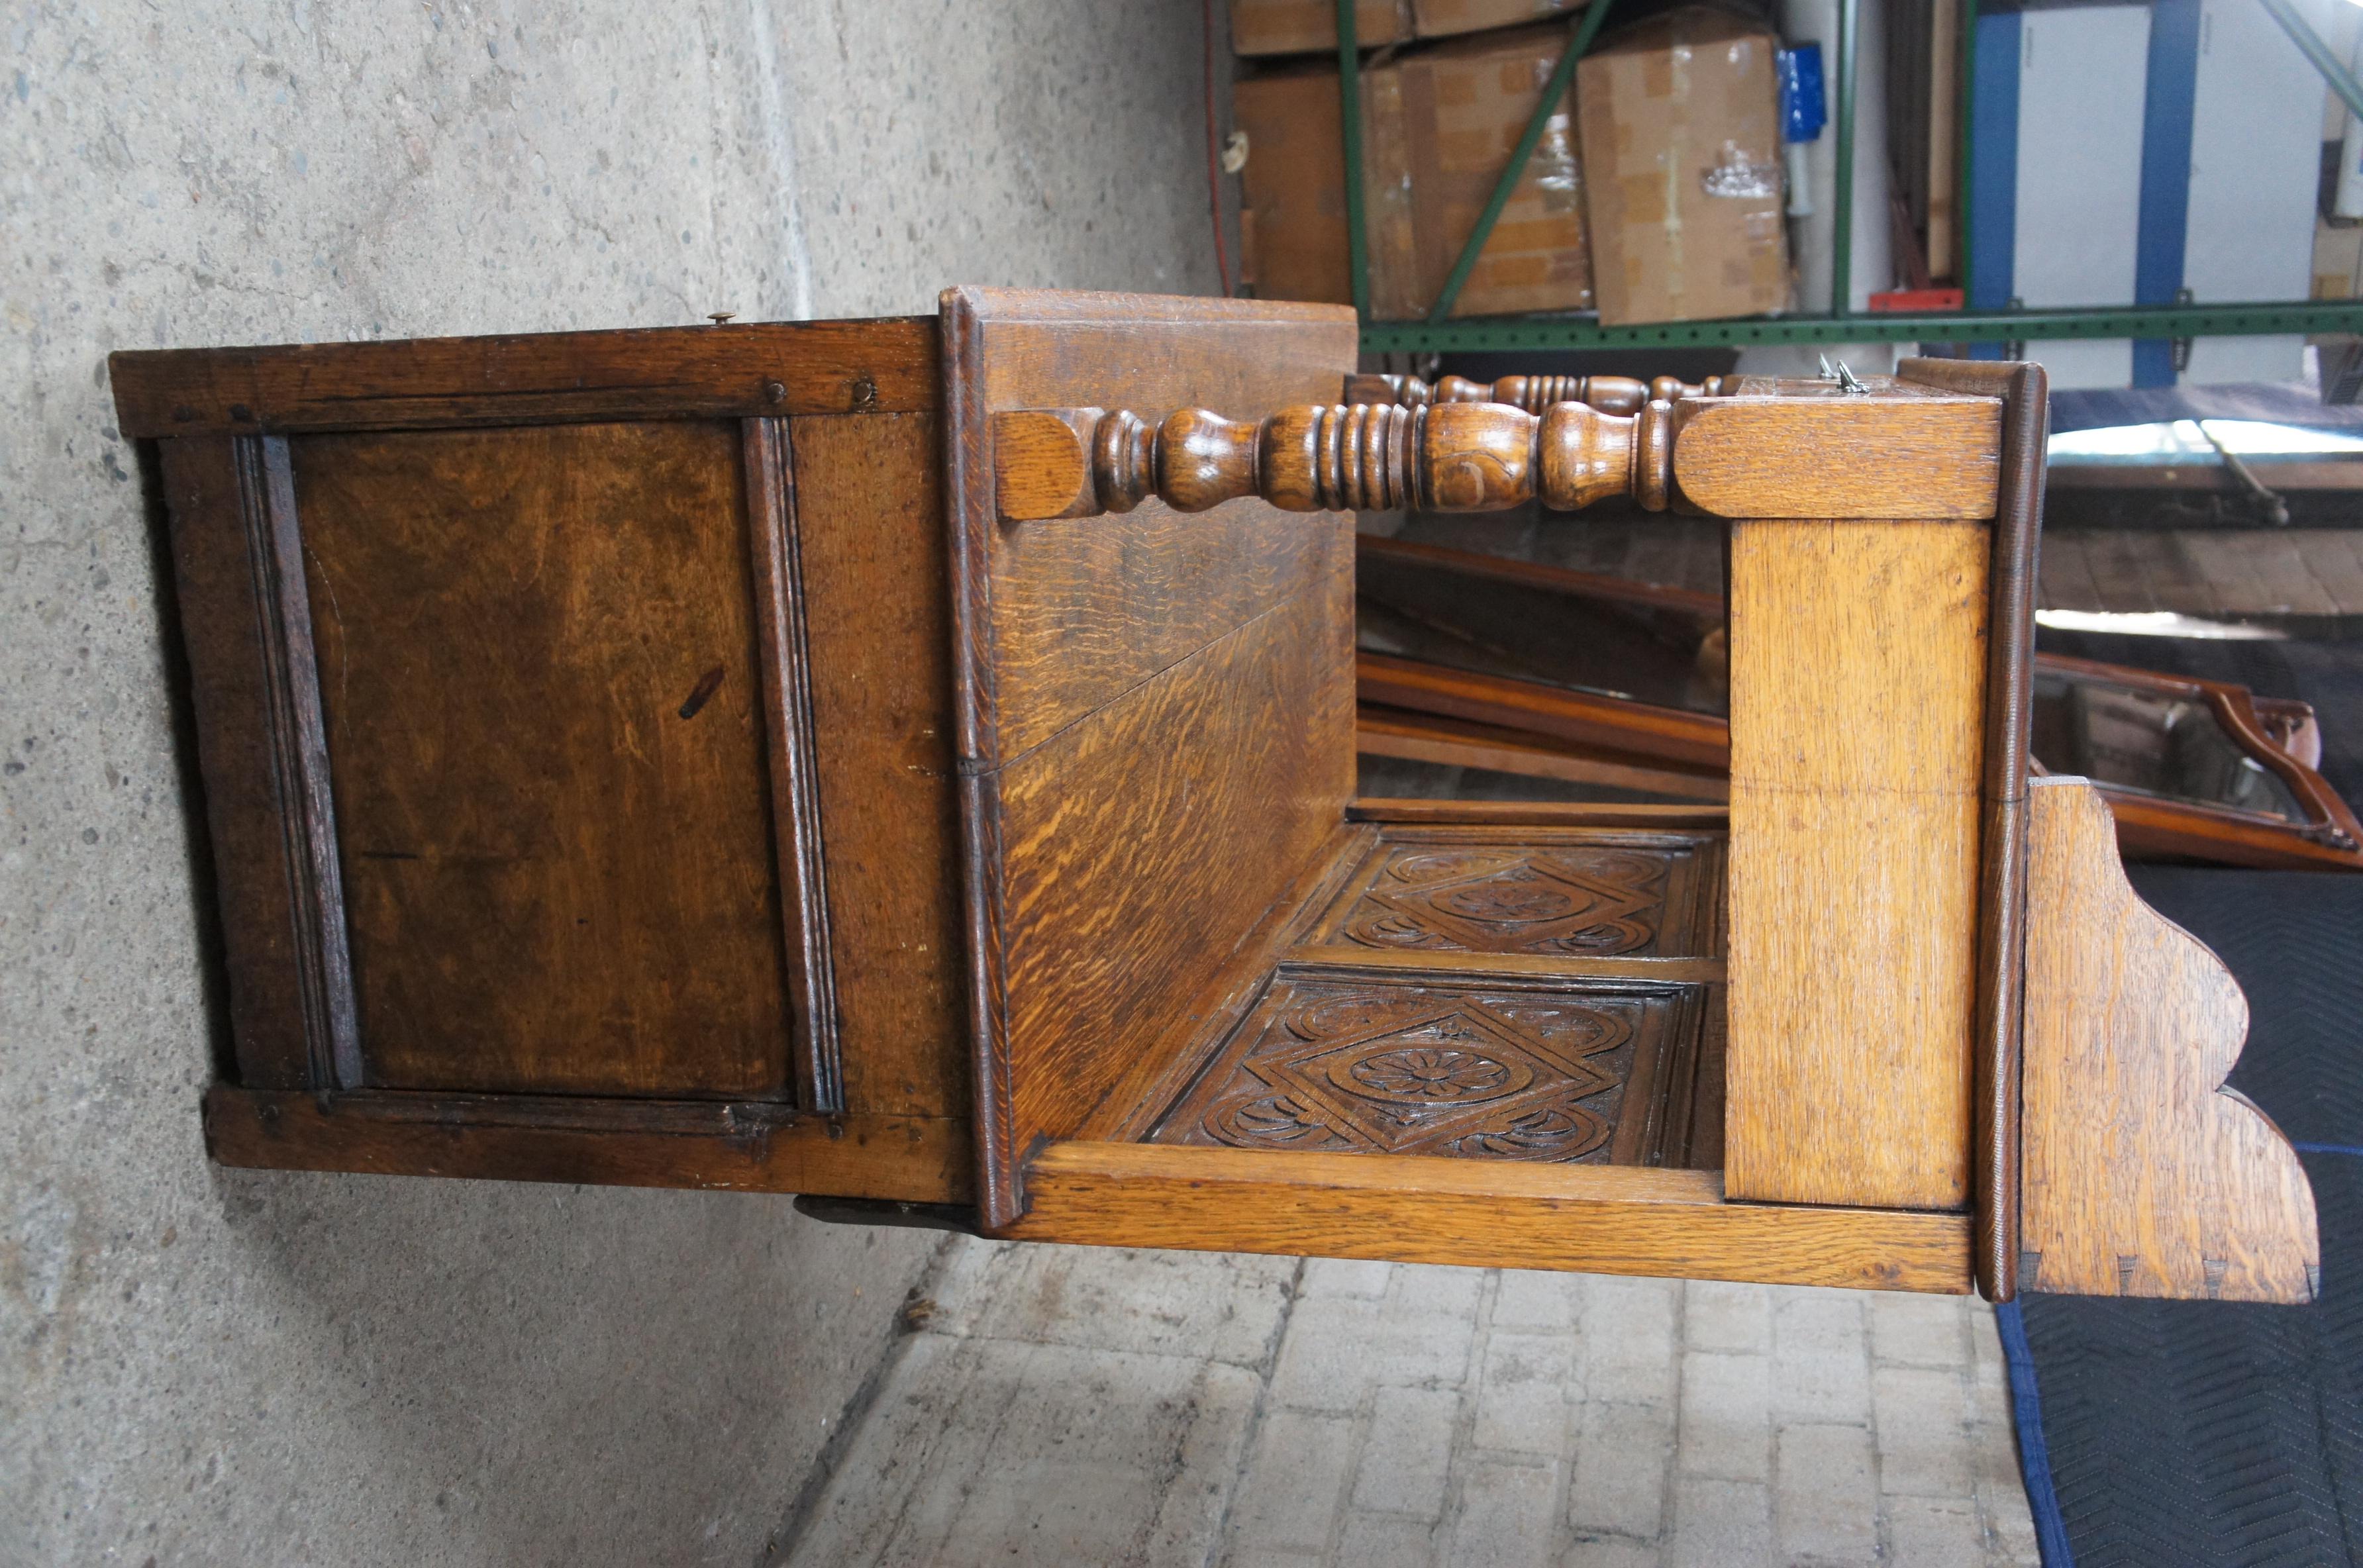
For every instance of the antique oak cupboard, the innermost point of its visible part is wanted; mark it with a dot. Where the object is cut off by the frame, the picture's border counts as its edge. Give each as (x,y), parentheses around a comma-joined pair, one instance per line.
(911,761)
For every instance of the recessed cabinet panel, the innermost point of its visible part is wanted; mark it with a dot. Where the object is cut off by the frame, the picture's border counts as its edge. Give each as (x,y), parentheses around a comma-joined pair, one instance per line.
(539,681)
(1556,1070)
(1571,894)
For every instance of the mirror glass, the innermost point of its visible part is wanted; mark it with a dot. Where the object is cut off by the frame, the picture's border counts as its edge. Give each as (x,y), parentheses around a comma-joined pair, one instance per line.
(2150,742)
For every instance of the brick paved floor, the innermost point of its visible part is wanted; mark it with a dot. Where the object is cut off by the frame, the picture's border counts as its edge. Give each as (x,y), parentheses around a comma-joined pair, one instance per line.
(1064,1405)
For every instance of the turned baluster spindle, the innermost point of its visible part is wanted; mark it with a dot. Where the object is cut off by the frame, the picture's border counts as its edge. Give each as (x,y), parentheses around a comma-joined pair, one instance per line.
(1609,394)
(1448,456)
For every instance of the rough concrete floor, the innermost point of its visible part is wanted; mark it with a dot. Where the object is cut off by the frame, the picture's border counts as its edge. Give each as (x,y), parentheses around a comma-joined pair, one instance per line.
(1064,1405)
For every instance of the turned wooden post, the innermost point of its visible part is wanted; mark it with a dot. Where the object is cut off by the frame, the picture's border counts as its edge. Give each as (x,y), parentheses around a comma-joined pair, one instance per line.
(1463,456)
(1609,394)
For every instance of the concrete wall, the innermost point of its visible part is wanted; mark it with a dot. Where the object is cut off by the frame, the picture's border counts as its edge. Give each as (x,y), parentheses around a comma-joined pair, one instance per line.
(203,1366)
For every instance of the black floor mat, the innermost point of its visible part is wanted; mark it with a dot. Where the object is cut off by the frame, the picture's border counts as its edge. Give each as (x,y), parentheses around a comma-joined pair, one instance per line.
(2185,1432)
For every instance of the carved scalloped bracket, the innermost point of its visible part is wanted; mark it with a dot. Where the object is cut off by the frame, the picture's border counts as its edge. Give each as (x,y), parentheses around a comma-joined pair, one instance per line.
(2143,1175)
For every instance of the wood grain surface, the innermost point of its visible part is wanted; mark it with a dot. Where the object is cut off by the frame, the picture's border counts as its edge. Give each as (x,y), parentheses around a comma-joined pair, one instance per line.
(1610,723)
(1541,892)
(1477,1214)
(1142,844)
(608,1142)
(1857,702)
(1131,808)
(783,665)
(1540,813)
(878,616)
(2143,1175)
(247,624)
(1382,730)
(755,369)
(1472,1064)
(1932,457)
(1055,619)
(538,670)
(1994,1164)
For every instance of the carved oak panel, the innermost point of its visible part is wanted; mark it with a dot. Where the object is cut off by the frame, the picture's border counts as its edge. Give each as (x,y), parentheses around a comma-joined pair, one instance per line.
(1566,899)
(1480,1068)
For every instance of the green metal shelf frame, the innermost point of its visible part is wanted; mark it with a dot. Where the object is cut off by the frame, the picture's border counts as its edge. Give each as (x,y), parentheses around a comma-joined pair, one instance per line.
(1441,332)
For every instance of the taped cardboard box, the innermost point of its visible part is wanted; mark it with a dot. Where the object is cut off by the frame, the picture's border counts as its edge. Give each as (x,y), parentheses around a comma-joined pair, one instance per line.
(1463,106)
(1307,27)
(1292,190)
(1681,157)
(1439,126)
(1445,19)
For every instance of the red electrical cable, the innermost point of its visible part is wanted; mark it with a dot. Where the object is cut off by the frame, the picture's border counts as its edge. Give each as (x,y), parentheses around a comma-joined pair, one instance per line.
(1214,156)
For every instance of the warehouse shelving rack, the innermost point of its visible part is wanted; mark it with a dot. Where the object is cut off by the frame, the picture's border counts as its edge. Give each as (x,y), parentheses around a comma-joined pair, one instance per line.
(1440,333)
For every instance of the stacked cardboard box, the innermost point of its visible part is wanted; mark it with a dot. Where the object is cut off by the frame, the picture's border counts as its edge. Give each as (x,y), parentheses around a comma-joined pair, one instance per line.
(1682,152)
(1438,128)
(1672,212)
(1307,27)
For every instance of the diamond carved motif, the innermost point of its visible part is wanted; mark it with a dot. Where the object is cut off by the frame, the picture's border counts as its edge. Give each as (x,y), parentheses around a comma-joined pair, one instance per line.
(1407,1071)
(1586,903)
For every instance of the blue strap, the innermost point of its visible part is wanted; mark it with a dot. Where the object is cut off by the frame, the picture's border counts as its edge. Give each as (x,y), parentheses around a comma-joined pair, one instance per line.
(2034,1453)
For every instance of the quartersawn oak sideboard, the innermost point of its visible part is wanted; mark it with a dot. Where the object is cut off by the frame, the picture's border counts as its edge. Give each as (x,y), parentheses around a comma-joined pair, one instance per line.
(913,761)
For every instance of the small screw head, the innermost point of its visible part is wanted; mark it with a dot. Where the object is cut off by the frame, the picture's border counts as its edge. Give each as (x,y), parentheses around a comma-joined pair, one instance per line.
(775,391)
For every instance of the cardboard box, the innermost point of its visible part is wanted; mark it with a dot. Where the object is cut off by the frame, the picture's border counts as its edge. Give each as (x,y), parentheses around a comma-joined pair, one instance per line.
(1682,161)
(1462,106)
(1438,126)
(1307,27)
(1293,190)
(1444,18)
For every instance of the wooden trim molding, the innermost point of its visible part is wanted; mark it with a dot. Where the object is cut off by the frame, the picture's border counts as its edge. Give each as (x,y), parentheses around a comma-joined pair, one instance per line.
(786,665)
(1542,813)
(2010,700)
(969,497)
(262,747)
(1474,1213)
(711,1145)
(759,370)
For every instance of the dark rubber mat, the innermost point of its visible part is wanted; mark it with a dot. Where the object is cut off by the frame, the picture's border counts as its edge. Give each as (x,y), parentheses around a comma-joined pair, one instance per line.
(2192,1432)
(2203,1433)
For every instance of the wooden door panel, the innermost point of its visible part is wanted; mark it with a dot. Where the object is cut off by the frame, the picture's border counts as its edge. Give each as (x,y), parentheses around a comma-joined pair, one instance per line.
(545,734)
(504,705)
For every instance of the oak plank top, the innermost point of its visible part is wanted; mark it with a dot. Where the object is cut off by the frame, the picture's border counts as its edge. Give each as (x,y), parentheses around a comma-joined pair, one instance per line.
(879,366)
